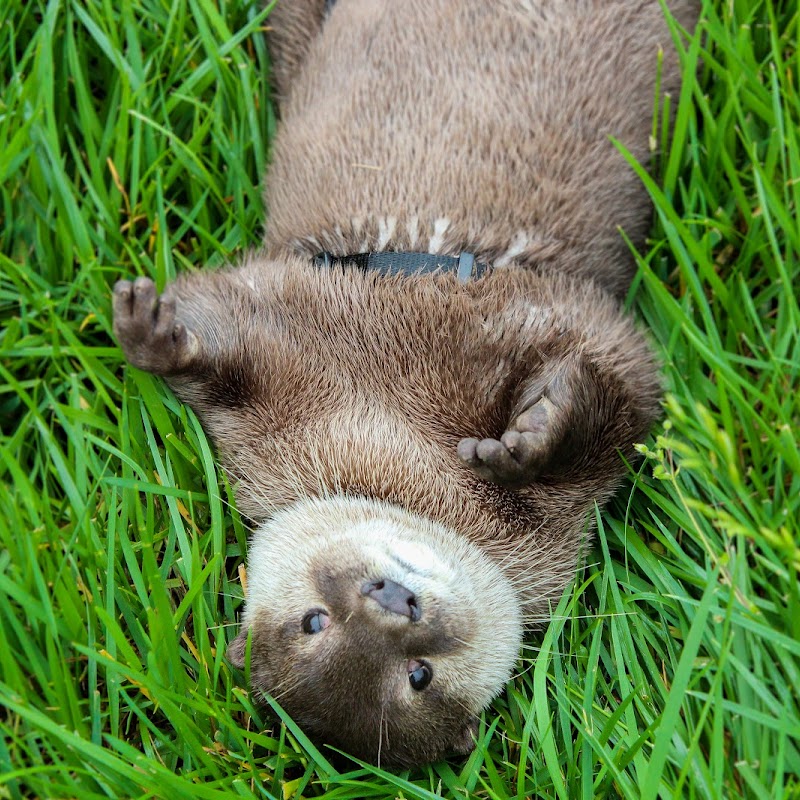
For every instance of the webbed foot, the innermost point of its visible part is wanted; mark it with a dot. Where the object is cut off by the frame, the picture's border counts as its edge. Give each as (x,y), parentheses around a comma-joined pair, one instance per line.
(522,452)
(147,330)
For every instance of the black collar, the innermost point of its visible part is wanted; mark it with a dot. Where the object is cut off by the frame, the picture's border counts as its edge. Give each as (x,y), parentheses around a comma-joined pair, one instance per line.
(389,263)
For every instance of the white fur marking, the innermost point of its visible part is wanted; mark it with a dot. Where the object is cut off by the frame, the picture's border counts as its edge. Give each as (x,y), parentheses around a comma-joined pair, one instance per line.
(313,244)
(439,228)
(517,246)
(386,226)
(531,315)
(537,316)
(413,232)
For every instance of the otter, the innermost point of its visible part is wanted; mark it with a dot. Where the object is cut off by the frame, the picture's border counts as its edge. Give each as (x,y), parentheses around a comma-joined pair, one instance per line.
(424,379)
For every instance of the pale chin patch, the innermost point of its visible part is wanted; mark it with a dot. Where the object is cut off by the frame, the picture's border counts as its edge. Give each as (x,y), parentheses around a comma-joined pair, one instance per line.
(418,559)
(411,564)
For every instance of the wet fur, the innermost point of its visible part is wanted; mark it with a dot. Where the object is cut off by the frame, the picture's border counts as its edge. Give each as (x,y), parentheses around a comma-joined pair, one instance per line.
(489,416)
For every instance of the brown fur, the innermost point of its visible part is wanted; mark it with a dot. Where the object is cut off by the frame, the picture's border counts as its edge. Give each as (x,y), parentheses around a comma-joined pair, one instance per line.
(494,115)
(498,408)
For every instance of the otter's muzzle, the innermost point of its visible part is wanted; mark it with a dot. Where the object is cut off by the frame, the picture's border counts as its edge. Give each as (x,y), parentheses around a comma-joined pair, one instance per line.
(393,597)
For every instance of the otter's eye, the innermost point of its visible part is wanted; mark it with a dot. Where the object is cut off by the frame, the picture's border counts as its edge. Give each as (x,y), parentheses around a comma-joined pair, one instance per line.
(315,621)
(419,675)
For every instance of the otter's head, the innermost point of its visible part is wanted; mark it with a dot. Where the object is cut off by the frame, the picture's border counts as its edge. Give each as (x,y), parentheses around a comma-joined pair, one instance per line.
(378,631)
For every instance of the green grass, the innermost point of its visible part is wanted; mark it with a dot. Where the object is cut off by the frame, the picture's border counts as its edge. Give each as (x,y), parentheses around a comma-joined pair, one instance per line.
(132,142)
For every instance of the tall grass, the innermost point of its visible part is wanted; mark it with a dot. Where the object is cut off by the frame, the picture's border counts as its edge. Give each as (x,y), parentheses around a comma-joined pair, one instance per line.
(132,140)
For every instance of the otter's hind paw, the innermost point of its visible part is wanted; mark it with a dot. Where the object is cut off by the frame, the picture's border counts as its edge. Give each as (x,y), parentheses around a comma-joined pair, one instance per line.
(520,454)
(147,330)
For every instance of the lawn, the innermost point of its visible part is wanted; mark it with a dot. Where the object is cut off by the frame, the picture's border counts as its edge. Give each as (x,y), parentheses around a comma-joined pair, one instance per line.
(133,136)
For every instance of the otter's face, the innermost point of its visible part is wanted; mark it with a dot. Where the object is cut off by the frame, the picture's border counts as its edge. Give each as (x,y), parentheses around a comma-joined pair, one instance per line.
(379,632)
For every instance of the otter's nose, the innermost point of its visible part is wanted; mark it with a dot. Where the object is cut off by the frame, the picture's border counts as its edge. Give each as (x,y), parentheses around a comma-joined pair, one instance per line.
(393,597)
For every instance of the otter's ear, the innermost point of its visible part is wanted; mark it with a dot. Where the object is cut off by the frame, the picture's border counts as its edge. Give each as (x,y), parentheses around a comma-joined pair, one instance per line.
(464,743)
(237,649)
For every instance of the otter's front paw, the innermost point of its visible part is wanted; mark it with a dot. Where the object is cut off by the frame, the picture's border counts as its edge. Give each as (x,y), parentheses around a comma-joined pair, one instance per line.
(147,330)
(522,452)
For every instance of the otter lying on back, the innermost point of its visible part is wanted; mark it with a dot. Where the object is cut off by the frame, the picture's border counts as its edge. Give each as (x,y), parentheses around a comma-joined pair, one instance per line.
(420,450)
